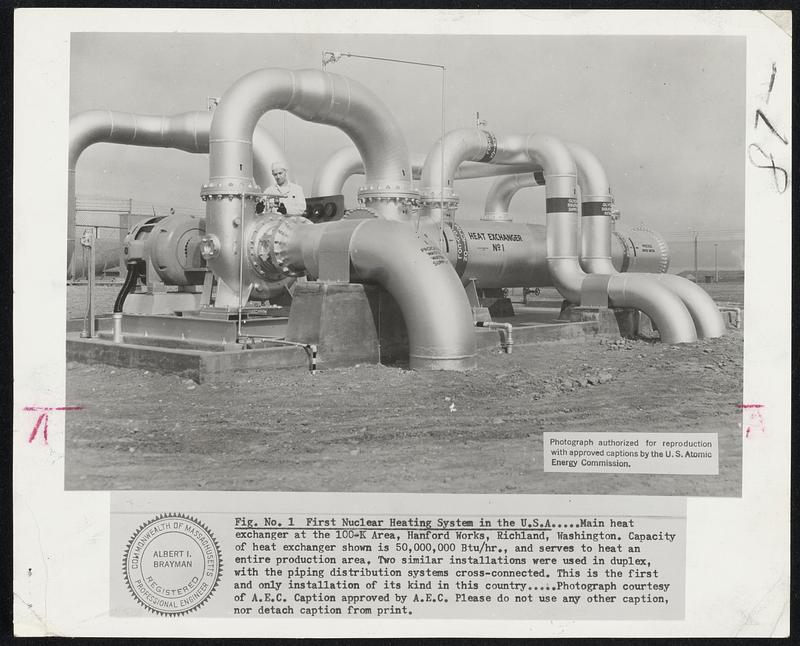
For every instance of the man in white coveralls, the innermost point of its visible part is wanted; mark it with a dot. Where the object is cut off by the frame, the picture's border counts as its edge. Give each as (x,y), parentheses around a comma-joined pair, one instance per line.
(287,196)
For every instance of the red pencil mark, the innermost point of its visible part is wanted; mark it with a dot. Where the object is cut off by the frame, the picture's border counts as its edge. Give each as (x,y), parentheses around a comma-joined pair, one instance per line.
(43,419)
(756,419)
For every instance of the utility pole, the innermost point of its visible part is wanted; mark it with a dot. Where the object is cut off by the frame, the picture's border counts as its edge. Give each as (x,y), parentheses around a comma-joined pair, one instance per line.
(716,268)
(696,277)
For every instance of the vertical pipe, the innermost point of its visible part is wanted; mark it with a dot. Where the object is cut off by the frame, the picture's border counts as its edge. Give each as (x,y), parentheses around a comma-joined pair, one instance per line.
(90,275)
(116,318)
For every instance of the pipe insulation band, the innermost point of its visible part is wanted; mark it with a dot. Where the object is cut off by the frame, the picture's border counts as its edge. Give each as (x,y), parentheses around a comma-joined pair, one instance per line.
(596,208)
(561,205)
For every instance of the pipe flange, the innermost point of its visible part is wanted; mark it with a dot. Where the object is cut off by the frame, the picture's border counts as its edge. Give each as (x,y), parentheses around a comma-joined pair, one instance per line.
(280,243)
(258,248)
(230,188)
(434,197)
(388,191)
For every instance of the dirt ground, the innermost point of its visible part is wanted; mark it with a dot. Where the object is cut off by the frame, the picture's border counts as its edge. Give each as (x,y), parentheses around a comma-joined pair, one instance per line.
(386,429)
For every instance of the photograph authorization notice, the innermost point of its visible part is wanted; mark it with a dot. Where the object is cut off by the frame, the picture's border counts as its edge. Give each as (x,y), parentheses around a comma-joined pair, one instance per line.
(402,324)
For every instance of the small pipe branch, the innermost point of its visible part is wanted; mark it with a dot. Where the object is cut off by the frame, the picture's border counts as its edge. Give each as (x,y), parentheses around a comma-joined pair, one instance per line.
(505,330)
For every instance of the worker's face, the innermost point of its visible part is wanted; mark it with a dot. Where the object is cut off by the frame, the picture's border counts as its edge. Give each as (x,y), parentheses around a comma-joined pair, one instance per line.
(280,176)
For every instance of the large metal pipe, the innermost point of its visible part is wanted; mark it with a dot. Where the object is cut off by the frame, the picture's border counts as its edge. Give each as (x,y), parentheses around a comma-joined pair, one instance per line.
(312,95)
(560,174)
(438,199)
(503,190)
(706,315)
(346,162)
(596,207)
(596,232)
(187,131)
(432,300)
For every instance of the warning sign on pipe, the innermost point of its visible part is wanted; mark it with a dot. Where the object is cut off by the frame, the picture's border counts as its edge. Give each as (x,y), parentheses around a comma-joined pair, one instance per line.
(680,453)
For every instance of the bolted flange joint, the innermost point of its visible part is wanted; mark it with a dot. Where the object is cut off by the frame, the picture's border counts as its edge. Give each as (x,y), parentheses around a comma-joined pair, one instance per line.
(230,187)
(280,244)
(434,197)
(266,248)
(388,191)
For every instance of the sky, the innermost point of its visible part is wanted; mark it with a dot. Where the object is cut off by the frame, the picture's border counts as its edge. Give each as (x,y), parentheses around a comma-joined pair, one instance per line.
(664,114)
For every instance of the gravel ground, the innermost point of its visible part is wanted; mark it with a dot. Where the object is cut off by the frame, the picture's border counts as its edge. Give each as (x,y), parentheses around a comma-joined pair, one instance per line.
(376,428)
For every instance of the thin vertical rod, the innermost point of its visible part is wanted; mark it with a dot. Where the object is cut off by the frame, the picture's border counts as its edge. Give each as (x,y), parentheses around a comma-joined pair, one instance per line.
(241,268)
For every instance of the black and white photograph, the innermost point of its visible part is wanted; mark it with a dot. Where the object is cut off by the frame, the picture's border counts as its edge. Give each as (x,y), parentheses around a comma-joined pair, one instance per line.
(451,245)
(440,323)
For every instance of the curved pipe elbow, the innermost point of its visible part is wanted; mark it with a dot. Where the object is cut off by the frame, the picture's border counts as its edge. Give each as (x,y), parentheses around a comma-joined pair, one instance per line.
(312,95)
(503,191)
(704,311)
(665,309)
(336,170)
(567,277)
(427,289)
(435,308)
(591,175)
(462,144)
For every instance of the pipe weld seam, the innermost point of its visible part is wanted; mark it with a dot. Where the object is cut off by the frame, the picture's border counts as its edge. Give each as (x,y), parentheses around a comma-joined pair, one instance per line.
(234,141)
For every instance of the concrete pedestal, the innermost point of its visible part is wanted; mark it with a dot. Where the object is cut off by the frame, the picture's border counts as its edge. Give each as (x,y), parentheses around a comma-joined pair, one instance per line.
(616,321)
(349,323)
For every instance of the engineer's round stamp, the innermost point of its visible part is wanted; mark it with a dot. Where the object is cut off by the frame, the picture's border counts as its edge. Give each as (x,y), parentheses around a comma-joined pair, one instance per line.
(172,564)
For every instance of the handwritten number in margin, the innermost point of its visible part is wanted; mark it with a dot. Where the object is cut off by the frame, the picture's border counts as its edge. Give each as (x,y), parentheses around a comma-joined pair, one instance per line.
(770,126)
(771,166)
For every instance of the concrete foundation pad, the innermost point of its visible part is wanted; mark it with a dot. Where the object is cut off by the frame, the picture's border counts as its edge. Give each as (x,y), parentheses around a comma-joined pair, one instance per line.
(540,333)
(201,366)
(362,315)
